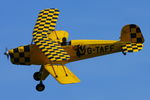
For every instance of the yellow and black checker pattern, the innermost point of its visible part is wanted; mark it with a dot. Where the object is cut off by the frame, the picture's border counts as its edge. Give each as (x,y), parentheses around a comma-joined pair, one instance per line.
(45,24)
(135,34)
(20,55)
(132,47)
(46,20)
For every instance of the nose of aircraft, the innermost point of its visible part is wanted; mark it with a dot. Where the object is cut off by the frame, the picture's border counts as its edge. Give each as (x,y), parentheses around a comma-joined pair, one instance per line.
(20,55)
(6,53)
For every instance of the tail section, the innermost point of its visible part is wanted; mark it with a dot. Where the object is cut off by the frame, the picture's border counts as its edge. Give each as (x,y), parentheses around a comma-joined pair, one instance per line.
(132,47)
(131,33)
(133,38)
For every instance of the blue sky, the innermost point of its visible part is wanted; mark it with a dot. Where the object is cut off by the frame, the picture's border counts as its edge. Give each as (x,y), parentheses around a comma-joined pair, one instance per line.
(111,77)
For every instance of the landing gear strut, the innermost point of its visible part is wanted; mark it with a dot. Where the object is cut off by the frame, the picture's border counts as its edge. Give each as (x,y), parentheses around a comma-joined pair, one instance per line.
(37,76)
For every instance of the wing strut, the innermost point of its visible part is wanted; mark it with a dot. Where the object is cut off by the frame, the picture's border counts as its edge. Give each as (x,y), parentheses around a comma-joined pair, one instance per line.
(64,70)
(54,71)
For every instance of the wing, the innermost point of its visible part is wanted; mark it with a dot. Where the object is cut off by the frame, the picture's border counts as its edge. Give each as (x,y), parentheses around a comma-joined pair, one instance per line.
(45,24)
(62,74)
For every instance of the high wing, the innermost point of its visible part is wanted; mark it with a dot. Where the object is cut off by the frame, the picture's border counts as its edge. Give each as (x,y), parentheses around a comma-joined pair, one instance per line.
(62,74)
(45,24)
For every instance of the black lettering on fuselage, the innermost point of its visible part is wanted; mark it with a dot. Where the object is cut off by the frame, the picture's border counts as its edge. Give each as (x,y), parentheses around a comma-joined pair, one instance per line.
(102,49)
(85,50)
(89,50)
(97,49)
(81,50)
(111,47)
(106,48)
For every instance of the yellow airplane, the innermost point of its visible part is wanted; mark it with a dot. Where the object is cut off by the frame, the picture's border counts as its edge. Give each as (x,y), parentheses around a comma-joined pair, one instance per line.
(52,51)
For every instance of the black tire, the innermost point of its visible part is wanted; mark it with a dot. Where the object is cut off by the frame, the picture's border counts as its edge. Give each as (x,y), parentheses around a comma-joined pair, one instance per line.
(40,87)
(36,76)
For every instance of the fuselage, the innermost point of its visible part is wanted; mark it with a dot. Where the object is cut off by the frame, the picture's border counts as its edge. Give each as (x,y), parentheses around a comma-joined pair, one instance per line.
(77,49)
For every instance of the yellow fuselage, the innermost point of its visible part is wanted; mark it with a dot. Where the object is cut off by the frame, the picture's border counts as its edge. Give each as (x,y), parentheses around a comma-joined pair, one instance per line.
(77,49)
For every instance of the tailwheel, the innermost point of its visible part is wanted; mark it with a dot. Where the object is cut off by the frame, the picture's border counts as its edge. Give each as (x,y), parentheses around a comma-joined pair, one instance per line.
(124,53)
(37,76)
(40,87)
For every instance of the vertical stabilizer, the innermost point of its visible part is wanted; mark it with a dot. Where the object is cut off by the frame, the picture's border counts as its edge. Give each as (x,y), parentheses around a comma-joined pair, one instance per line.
(131,33)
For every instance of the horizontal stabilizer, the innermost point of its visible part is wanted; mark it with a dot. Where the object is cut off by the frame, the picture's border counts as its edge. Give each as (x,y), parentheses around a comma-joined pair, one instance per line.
(62,74)
(132,47)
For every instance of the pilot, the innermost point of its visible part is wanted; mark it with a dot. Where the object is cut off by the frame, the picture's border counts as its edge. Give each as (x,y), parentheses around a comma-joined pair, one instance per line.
(64,41)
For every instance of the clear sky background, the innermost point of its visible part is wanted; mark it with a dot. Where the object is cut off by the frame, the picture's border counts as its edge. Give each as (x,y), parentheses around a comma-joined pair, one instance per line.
(111,77)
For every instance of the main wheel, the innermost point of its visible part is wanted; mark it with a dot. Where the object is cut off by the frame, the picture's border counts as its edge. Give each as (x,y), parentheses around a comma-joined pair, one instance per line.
(40,87)
(37,76)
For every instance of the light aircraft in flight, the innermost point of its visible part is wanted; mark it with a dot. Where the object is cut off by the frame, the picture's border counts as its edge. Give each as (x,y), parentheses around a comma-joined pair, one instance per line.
(52,51)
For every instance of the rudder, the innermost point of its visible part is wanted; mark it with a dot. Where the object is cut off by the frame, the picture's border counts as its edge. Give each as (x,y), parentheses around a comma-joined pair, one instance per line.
(131,33)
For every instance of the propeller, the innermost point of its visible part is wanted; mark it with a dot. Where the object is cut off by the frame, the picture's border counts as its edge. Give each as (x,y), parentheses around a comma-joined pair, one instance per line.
(6,53)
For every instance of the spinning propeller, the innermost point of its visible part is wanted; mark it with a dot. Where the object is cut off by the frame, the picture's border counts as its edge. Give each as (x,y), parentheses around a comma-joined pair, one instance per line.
(6,53)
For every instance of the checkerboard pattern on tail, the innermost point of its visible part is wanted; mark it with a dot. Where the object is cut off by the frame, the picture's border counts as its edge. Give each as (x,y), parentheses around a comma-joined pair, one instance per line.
(131,33)
(132,47)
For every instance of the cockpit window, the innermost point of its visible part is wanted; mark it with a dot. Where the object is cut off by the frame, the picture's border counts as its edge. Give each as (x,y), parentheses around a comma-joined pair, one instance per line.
(66,43)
